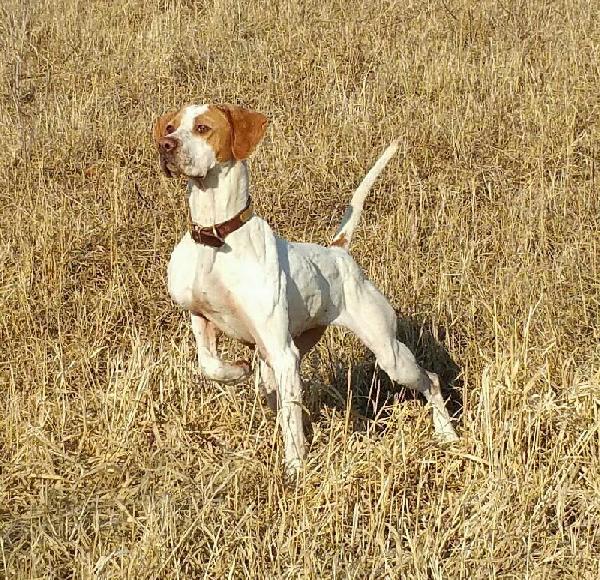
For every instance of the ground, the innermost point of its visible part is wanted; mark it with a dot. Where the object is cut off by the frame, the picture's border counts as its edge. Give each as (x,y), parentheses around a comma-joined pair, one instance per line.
(118,461)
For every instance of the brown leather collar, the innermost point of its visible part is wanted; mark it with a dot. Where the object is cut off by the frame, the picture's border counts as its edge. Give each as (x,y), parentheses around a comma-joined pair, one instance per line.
(214,236)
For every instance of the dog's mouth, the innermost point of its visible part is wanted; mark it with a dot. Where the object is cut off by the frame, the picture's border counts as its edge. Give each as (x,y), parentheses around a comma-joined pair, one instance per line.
(167,166)
(171,168)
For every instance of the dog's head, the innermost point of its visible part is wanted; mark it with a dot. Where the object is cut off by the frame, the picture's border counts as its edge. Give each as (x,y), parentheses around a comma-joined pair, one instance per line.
(194,139)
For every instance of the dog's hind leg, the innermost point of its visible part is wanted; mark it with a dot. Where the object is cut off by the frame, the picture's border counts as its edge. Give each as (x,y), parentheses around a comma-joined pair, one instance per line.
(369,315)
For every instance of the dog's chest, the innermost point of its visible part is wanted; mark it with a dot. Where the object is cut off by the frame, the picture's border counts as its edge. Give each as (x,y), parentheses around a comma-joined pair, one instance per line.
(195,285)
(218,305)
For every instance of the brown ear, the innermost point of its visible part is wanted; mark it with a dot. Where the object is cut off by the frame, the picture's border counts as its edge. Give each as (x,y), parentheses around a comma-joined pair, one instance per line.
(248,128)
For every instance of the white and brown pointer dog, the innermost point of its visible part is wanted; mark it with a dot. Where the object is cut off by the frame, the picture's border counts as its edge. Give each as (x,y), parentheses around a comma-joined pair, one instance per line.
(235,275)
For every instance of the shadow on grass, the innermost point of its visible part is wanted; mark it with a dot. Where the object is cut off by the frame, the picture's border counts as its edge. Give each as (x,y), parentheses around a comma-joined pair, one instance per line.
(372,392)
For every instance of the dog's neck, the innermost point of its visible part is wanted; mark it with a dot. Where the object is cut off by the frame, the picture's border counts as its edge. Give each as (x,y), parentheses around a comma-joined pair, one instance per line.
(220,195)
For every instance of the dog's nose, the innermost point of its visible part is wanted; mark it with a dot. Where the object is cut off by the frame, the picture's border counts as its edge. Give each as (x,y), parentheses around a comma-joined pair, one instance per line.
(167,144)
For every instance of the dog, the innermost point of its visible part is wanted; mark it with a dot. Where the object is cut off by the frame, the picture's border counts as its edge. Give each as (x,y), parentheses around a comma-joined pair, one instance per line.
(235,275)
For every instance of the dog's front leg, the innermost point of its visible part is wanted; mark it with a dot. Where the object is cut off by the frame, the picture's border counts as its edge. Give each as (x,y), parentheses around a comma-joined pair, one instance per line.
(268,383)
(285,362)
(211,366)
(264,308)
(281,360)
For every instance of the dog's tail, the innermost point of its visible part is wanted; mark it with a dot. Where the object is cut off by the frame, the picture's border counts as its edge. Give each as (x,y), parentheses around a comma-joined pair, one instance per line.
(343,236)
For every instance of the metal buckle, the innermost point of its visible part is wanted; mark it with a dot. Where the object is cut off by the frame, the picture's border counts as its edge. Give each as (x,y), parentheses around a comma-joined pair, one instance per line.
(216,234)
(247,213)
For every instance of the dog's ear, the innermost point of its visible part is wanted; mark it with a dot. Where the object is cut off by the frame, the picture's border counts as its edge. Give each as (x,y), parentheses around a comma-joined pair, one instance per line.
(248,128)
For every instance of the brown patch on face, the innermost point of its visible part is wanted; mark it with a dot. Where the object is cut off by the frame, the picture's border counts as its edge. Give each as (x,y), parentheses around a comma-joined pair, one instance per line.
(159,130)
(164,125)
(248,128)
(341,242)
(218,135)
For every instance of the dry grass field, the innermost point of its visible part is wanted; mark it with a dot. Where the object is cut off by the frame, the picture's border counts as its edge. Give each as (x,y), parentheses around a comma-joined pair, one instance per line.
(118,461)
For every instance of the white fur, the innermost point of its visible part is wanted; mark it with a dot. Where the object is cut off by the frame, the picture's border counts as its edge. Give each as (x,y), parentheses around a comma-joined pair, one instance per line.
(264,290)
(352,214)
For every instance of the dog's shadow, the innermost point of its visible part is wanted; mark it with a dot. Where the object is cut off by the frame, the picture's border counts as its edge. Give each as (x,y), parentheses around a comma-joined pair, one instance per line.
(372,393)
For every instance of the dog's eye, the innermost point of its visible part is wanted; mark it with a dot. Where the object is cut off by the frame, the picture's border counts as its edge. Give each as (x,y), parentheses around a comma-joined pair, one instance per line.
(169,129)
(202,128)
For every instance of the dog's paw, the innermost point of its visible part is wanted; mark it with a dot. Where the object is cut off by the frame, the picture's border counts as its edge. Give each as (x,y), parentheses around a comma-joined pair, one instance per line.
(244,366)
(448,436)
(226,373)
(293,468)
(444,429)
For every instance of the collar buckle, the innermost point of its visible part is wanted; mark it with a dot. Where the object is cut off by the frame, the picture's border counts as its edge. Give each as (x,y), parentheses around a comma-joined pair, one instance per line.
(214,236)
